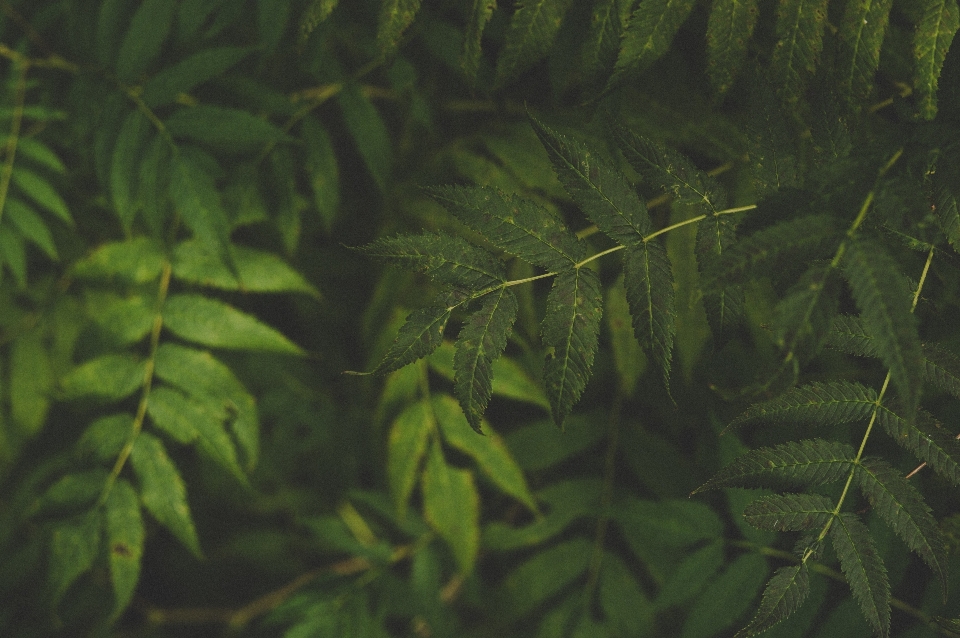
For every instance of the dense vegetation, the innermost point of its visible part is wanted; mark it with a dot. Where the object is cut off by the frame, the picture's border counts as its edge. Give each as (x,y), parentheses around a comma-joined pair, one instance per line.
(687,233)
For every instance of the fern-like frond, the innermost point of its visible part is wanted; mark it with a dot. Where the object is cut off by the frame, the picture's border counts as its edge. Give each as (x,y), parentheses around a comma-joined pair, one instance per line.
(442,257)
(784,594)
(800,25)
(651,29)
(480,14)
(903,508)
(860,35)
(669,170)
(601,191)
(789,512)
(532,30)
(849,334)
(939,22)
(570,328)
(482,339)
(883,296)
(421,334)
(809,462)
(941,367)
(722,301)
(648,278)
(830,403)
(926,438)
(864,569)
(518,225)
(803,318)
(729,29)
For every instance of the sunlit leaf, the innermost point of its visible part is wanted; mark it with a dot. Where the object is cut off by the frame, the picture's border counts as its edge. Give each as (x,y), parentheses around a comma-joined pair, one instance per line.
(110,377)
(215,324)
(452,507)
(139,260)
(409,436)
(74,545)
(125,539)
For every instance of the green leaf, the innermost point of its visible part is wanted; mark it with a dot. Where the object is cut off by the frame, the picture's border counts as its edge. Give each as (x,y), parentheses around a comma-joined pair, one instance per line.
(208,380)
(125,166)
(14,254)
(479,16)
(145,37)
(926,438)
(126,320)
(789,512)
(830,403)
(452,507)
(648,278)
(799,29)
(726,598)
(197,198)
(213,323)
(509,379)
(110,377)
(313,15)
(31,226)
(648,35)
(540,577)
(810,462)
(724,304)
(860,36)
(489,452)
(729,29)
(628,356)
(369,133)
(164,87)
(104,439)
(322,170)
(31,381)
(188,421)
(946,197)
(74,545)
(570,329)
(154,185)
(898,502)
(138,260)
(518,225)
(883,296)
(626,608)
(409,435)
(41,192)
(650,527)
(530,36)
(565,501)
(444,258)
(864,569)
(395,17)
(849,334)
(256,270)
(942,368)
(784,594)
(669,170)
(125,536)
(40,154)
(272,21)
(162,490)
(804,317)
(537,446)
(939,22)
(482,340)
(223,128)
(600,190)
(602,43)
(772,152)
(690,575)
(74,492)
(420,334)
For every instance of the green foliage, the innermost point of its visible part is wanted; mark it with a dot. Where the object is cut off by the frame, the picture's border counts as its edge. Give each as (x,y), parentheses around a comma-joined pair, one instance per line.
(210,210)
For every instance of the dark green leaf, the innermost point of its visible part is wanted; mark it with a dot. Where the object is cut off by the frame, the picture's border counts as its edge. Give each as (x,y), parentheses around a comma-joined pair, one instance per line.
(154,186)
(143,40)
(860,35)
(628,356)
(626,608)
(648,278)
(110,377)
(883,296)
(828,403)
(529,38)
(804,317)
(649,33)
(125,166)
(570,330)
(75,491)
(724,304)
(785,592)
(789,512)
(603,41)
(939,21)
(599,189)
(942,368)
(565,501)
(420,335)
(322,170)
(41,154)
(729,29)
(726,598)
(537,446)
(213,323)
(510,380)
(164,87)
(445,258)
(850,335)
(409,436)
(452,507)
(482,340)
(74,545)
(125,536)
(926,438)
(395,17)
(690,575)
(470,57)
(903,508)
(542,576)
(864,569)
(810,462)
(369,132)
(224,128)
(800,26)
(162,490)
(31,226)
(197,198)
(518,225)
(14,254)
(41,192)
(30,382)
(653,526)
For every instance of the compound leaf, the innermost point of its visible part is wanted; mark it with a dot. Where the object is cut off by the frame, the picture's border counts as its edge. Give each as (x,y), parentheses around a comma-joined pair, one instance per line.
(864,569)
(518,225)
(648,279)
(789,512)
(529,37)
(601,191)
(799,29)
(849,334)
(570,329)
(729,29)
(481,341)
(810,462)
(651,29)
(784,594)
(420,335)
(939,22)
(926,438)
(829,403)
(903,508)
(452,507)
(125,538)
(446,259)
(860,35)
